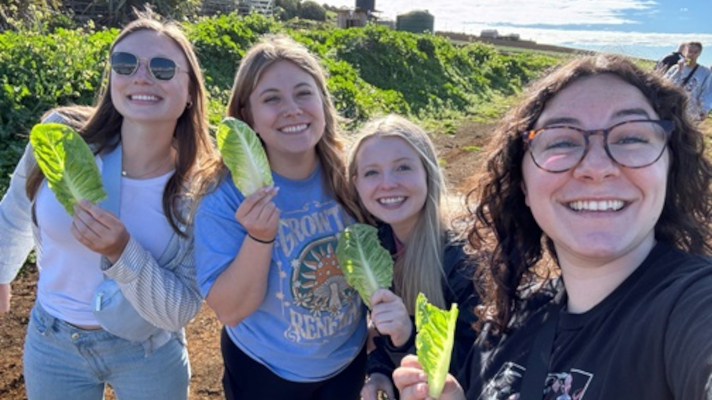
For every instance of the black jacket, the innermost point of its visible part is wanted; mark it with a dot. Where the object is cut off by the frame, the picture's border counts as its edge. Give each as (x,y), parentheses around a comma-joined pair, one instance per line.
(458,288)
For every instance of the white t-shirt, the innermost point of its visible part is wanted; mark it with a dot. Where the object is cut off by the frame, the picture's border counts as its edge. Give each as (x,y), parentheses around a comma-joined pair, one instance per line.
(69,272)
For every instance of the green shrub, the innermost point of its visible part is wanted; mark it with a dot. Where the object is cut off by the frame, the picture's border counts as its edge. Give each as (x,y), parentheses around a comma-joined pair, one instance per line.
(220,43)
(372,71)
(39,72)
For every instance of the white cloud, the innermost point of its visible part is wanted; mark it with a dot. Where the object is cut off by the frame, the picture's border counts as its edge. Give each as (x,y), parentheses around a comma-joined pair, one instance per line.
(635,44)
(516,12)
(472,16)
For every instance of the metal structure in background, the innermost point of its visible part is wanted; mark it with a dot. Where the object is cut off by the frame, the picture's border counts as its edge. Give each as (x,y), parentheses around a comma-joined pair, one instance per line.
(358,17)
(366,5)
(264,7)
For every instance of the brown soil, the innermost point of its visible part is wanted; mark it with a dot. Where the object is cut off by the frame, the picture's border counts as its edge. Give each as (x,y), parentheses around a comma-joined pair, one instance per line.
(459,159)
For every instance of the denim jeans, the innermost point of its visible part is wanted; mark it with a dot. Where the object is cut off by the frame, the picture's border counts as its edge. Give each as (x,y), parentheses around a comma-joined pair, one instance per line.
(62,361)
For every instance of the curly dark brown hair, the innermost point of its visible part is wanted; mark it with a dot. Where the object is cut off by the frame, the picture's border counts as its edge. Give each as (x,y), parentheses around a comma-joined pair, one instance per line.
(503,224)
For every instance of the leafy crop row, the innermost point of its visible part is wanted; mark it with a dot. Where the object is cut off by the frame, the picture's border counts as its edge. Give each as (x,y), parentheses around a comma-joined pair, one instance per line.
(372,71)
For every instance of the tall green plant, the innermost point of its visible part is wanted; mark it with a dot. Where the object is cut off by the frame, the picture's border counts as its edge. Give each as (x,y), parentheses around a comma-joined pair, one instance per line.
(39,72)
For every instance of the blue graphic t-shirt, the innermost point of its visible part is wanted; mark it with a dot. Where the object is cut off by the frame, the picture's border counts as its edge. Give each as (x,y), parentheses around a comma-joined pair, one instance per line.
(311,324)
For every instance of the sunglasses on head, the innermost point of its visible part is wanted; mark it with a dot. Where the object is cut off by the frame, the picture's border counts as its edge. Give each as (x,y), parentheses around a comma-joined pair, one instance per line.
(161,68)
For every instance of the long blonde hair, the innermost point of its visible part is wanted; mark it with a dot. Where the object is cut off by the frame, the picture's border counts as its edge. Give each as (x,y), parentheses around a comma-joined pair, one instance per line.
(419,268)
(330,148)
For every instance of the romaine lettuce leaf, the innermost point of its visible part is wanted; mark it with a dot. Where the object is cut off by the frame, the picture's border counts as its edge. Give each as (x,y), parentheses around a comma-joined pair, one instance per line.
(434,341)
(367,266)
(243,155)
(67,163)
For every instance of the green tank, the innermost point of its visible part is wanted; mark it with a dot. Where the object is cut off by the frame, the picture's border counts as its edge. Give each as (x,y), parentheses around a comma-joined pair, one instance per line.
(416,22)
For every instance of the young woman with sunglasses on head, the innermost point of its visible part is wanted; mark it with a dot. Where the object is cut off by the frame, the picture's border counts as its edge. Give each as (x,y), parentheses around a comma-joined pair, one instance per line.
(599,176)
(151,115)
(294,329)
(394,172)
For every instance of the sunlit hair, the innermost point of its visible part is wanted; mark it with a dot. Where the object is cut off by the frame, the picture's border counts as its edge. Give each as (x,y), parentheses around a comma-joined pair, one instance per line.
(419,267)
(196,154)
(504,224)
(330,148)
(697,44)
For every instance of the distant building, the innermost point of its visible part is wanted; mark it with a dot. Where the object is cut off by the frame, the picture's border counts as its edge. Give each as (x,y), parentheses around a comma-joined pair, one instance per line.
(489,34)
(511,36)
(493,34)
(353,18)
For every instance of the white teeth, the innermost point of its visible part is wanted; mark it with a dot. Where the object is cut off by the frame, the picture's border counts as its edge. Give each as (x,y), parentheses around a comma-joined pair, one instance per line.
(143,97)
(294,128)
(391,200)
(604,205)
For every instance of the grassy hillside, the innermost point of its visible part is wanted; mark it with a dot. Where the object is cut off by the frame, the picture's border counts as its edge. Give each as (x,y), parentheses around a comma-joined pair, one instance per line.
(372,71)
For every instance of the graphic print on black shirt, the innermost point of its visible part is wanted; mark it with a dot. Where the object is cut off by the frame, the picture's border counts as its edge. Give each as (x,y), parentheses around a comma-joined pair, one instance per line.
(506,383)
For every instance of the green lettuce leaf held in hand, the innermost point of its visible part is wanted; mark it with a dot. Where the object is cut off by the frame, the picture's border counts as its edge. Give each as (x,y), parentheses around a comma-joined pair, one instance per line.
(243,155)
(434,341)
(67,163)
(366,265)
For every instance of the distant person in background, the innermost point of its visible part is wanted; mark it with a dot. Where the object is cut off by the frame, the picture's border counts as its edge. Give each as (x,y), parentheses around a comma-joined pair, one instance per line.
(695,80)
(670,60)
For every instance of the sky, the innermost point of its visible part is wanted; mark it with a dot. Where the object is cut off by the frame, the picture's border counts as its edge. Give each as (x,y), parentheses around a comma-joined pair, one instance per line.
(639,28)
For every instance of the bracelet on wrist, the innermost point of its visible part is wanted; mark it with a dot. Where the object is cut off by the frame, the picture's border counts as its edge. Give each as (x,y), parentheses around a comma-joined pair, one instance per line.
(260,240)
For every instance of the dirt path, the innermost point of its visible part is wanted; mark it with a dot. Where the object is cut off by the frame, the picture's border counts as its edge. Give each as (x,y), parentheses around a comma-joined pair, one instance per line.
(459,157)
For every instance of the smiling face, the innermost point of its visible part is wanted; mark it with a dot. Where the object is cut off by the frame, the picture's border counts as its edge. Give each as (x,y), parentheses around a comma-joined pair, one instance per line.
(287,112)
(391,182)
(598,211)
(692,52)
(141,98)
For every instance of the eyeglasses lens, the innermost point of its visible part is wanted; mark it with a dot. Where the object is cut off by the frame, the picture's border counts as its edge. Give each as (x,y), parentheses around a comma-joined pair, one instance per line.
(637,144)
(634,144)
(162,68)
(126,64)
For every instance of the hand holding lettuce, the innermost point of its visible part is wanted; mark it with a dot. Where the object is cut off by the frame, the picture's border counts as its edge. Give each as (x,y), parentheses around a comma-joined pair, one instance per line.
(68,164)
(434,341)
(243,155)
(366,265)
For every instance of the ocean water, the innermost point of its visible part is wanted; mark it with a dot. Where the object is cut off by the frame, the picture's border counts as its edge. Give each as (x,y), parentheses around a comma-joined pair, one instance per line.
(517,16)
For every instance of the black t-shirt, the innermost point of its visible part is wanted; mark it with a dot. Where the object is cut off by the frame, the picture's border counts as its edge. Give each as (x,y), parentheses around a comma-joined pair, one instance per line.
(650,339)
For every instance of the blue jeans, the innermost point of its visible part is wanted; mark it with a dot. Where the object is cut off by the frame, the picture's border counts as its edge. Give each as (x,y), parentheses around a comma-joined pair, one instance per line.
(62,362)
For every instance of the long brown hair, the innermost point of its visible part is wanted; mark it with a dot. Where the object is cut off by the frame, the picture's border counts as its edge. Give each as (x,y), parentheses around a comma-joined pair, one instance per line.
(504,223)
(330,148)
(420,267)
(196,154)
